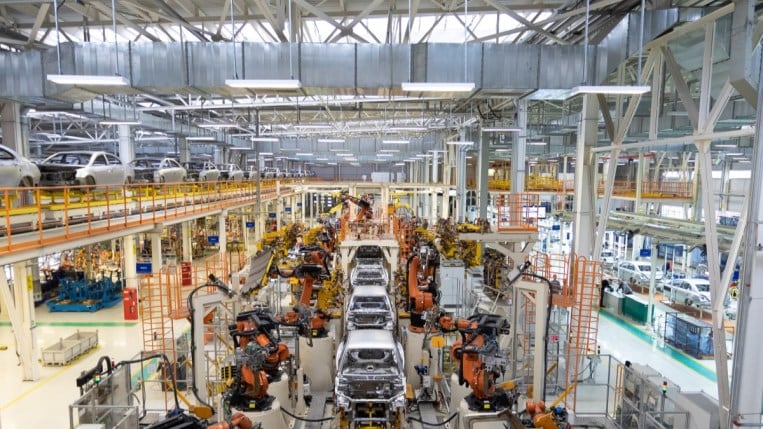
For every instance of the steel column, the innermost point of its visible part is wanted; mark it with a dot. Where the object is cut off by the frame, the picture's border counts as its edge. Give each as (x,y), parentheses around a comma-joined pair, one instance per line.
(519,149)
(129,251)
(585,171)
(156,252)
(222,231)
(746,394)
(126,145)
(185,232)
(14,128)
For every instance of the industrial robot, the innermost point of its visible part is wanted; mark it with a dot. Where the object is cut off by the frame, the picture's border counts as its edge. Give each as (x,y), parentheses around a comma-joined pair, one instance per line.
(258,358)
(481,360)
(364,206)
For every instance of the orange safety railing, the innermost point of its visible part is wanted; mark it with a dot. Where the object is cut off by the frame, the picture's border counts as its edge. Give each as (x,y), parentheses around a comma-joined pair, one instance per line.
(650,188)
(517,212)
(556,268)
(63,214)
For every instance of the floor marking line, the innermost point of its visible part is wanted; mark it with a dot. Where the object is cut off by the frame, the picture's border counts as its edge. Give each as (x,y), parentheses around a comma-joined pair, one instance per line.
(36,387)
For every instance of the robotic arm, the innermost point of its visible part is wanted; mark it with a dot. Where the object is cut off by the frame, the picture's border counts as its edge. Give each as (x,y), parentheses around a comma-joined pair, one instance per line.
(364,206)
(481,361)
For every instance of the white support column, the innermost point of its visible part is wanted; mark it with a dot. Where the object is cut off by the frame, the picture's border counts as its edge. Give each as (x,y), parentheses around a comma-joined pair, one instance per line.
(293,208)
(446,203)
(747,374)
(185,232)
(518,149)
(22,320)
(433,207)
(13,126)
(184,149)
(126,146)
(245,233)
(279,210)
(129,251)
(483,165)
(156,252)
(434,167)
(223,232)
(585,170)
(639,181)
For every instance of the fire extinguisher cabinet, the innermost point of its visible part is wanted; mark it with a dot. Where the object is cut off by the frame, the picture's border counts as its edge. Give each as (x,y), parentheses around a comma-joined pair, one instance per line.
(130,302)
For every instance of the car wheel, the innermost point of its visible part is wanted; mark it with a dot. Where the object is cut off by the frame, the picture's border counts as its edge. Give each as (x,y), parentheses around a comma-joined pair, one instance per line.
(90,181)
(688,302)
(162,179)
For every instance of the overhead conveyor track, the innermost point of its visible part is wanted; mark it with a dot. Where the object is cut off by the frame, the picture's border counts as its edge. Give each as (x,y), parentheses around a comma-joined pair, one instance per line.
(64,215)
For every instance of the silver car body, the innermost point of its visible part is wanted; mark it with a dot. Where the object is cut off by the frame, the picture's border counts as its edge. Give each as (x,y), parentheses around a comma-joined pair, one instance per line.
(370,307)
(637,272)
(694,292)
(16,170)
(232,171)
(158,170)
(98,168)
(370,370)
(202,171)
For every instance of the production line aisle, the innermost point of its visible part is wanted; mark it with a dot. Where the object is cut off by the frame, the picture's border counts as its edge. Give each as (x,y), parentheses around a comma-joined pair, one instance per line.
(625,341)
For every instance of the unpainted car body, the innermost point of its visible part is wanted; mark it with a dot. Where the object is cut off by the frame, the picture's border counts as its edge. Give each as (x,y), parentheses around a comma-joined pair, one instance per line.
(370,307)
(637,272)
(231,172)
(16,170)
(201,171)
(370,372)
(158,170)
(692,292)
(84,168)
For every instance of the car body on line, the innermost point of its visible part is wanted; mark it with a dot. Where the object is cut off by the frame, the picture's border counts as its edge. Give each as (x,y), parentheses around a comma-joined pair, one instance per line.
(231,172)
(370,307)
(16,170)
(691,292)
(637,272)
(84,168)
(201,171)
(158,170)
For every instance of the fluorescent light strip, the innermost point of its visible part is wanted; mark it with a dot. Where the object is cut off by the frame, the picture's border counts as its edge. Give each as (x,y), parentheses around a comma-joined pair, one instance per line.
(460,143)
(408,129)
(266,153)
(330,140)
(399,163)
(218,125)
(385,154)
(264,83)
(312,126)
(438,86)
(303,154)
(200,139)
(503,150)
(321,159)
(726,145)
(535,143)
(265,139)
(345,154)
(396,141)
(390,150)
(83,79)
(119,123)
(501,130)
(611,89)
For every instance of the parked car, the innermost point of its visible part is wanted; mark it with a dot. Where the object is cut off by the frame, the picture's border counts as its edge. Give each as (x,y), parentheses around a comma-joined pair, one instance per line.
(370,369)
(231,172)
(370,307)
(201,171)
(16,170)
(637,272)
(84,168)
(692,292)
(158,170)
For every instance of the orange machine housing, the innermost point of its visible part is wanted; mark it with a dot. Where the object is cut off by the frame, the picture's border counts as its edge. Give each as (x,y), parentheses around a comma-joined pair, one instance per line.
(422,292)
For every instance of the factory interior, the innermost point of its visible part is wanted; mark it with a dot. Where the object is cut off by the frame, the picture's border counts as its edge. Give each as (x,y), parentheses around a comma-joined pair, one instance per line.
(335,214)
